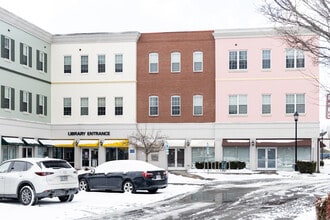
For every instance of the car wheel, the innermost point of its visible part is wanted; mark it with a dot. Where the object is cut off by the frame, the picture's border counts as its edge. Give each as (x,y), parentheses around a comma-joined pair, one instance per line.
(152,190)
(128,187)
(83,185)
(67,198)
(27,196)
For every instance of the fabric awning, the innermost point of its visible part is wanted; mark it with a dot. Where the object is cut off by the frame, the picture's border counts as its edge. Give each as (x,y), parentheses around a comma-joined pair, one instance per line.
(63,143)
(301,142)
(115,143)
(89,143)
(12,140)
(236,142)
(46,142)
(176,143)
(201,143)
(31,141)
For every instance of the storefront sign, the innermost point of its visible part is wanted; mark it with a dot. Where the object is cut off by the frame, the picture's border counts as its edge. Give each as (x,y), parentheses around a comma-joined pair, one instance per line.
(89,133)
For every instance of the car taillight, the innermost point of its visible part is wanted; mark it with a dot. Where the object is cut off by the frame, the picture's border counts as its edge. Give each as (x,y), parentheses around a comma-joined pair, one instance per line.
(165,173)
(147,175)
(44,173)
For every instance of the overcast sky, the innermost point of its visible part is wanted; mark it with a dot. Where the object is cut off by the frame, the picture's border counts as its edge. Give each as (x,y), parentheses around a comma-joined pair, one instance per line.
(82,16)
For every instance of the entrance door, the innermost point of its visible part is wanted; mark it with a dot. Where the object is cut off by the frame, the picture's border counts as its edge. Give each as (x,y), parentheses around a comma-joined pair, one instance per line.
(267,158)
(175,158)
(27,152)
(89,157)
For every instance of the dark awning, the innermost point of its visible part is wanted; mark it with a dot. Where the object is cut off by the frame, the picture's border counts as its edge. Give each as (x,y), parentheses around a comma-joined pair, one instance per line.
(282,142)
(12,140)
(236,142)
(31,141)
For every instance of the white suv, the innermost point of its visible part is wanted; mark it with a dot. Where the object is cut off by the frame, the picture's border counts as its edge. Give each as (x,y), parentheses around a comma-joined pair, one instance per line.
(31,179)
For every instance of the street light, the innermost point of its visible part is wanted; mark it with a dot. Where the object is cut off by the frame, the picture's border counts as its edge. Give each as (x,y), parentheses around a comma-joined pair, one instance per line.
(296,116)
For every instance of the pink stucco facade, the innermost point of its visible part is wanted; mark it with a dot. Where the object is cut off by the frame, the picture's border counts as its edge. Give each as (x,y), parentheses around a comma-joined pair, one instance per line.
(254,81)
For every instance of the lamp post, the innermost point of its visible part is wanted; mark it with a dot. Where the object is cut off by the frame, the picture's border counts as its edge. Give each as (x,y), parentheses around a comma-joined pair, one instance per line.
(295,116)
(322,150)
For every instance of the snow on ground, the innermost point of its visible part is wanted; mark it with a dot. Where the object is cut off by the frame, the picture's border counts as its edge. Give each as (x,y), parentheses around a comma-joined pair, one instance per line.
(89,204)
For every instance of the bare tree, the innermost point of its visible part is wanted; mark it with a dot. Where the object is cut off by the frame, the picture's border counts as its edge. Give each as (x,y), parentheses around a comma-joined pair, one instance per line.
(148,142)
(292,17)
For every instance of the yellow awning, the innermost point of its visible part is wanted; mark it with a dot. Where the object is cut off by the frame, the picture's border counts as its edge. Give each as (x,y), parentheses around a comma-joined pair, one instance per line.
(116,143)
(89,143)
(63,143)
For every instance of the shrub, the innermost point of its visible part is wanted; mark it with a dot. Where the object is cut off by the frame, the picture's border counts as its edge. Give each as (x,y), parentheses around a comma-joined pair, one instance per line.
(306,166)
(218,165)
(321,163)
(236,165)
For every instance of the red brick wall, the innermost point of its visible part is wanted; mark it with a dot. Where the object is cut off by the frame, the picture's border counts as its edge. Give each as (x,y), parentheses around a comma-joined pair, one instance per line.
(165,84)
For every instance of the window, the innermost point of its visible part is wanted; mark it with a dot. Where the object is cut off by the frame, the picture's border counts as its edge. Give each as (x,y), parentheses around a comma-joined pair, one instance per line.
(7,48)
(153,63)
(295,58)
(175,105)
(101,106)
(175,62)
(7,97)
(153,105)
(101,63)
(25,101)
(83,106)
(198,61)
(25,55)
(41,61)
(237,59)
(295,103)
(41,105)
(84,64)
(238,104)
(266,59)
(266,104)
(67,108)
(118,105)
(67,64)
(118,63)
(198,105)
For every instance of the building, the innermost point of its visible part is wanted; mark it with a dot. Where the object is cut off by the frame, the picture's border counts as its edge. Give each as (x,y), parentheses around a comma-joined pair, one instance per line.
(218,95)
(260,84)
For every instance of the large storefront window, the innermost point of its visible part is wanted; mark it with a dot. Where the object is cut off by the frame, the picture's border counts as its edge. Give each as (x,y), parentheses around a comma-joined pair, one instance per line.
(9,152)
(285,157)
(44,151)
(116,153)
(237,154)
(202,154)
(64,153)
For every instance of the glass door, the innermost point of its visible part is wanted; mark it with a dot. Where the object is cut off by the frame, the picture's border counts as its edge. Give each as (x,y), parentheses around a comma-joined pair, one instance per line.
(89,157)
(267,158)
(175,157)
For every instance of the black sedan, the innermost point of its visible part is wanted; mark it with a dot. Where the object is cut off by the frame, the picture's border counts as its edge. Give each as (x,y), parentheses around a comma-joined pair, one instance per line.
(124,176)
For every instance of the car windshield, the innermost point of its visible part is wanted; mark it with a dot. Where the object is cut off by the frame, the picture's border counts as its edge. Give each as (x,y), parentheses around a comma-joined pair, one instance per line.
(55,164)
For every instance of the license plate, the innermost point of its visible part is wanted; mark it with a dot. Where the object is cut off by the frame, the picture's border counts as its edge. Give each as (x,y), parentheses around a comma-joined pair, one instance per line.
(158,177)
(64,178)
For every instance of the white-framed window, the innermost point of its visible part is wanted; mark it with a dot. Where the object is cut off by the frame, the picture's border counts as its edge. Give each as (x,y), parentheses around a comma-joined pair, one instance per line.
(84,64)
(266,59)
(67,106)
(7,48)
(25,55)
(266,104)
(175,62)
(7,97)
(101,63)
(118,63)
(84,106)
(238,60)
(197,105)
(25,101)
(175,105)
(153,105)
(295,103)
(67,64)
(294,58)
(41,61)
(198,61)
(119,106)
(238,104)
(41,104)
(101,110)
(153,62)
